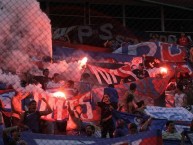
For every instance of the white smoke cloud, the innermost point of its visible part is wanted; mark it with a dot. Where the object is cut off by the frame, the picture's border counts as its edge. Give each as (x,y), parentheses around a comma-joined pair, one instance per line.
(70,71)
(25,37)
(25,33)
(14,81)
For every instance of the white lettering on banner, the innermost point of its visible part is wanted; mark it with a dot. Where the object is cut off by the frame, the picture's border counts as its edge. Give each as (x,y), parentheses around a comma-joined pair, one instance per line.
(106,76)
(57,104)
(167,55)
(113,77)
(61,32)
(84,31)
(152,46)
(88,106)
(96,74)
(105,29)
(132,49)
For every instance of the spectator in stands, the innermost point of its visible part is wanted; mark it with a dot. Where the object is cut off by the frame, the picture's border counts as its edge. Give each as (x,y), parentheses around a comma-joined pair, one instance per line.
(191,126)
(187,130)
(11,136)
(31,119)
(132,127)
(70,90)
(140,72)
(89,131)
(43,80)
(124,107)
(151,62)
(1,105)
(180,98)
(130,104)
(154,38)
(183,40)
(5,115)
(85,85)
(16,106)
(191,55)
(113,95)
(112,44)
(1,116)
(55,83)
(128,41)
(74,123)
(171,132)
(121,129)
(107,123)
(144,126)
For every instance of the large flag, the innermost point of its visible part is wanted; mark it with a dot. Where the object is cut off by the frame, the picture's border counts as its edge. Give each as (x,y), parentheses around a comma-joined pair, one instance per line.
(177,114)
(155,124)
(150,137)
(164,51)
(124,74)
(147,90)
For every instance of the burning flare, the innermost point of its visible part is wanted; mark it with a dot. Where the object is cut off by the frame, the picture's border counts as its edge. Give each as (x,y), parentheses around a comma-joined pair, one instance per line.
(163,70)
(59,95)
(83,61)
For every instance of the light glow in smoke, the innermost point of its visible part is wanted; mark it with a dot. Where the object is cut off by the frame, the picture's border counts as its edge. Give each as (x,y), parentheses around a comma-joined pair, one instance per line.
(59,95)
(83,61)
(163,70)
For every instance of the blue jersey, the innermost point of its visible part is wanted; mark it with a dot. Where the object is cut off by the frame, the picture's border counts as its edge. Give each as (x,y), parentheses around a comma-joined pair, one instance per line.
(113,94)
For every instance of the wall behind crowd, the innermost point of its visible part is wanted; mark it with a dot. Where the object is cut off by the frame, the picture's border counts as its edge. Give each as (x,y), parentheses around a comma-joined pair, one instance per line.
(93,23)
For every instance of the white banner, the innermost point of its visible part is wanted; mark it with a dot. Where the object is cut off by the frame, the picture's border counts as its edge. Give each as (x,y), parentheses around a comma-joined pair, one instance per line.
(175,114)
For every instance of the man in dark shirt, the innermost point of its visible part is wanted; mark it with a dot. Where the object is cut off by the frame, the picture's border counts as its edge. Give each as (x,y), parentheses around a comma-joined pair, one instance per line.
(106,117)
(121,128)
(11,136)
(113,95)
(31,118)
(43,80)
(140,72)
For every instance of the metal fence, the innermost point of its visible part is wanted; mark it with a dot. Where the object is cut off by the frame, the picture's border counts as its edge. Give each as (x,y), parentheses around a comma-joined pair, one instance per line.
(70,52)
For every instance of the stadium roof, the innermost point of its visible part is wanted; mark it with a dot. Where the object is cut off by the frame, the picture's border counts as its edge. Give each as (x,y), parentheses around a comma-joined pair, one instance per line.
(184,4)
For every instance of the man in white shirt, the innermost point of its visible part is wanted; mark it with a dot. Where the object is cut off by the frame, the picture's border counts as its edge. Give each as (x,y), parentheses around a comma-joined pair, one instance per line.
(74,123)
(55,83)
(180,97)
(171,132)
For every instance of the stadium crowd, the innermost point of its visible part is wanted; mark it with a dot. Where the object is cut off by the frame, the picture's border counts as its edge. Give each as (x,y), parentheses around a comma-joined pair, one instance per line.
(30,119)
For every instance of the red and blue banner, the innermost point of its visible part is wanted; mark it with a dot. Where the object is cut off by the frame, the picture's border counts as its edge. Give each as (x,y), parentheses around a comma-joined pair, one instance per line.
(150,137)
(164,51)
(147,90)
